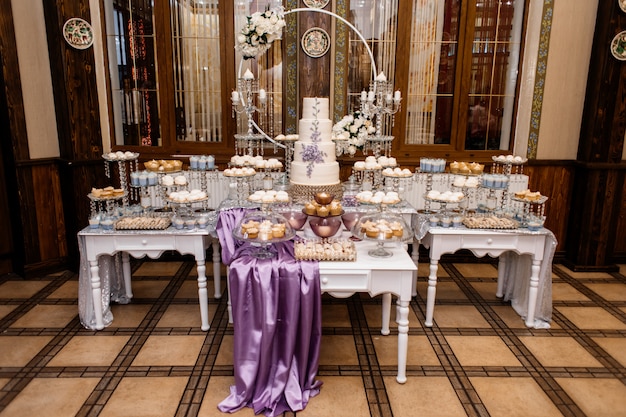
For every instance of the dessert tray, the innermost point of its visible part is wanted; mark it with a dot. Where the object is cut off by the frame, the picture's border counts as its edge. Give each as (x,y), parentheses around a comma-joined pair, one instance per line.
(120,156)
(542,199)
(143,223)
(342,250)
(490,222)
(509,159)
(108,193)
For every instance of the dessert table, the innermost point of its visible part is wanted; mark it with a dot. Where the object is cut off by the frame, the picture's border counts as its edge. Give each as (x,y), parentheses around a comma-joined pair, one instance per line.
(524,268)
(105,268)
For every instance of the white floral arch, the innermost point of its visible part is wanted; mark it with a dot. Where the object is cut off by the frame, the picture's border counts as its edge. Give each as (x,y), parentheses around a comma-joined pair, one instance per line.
(281,13)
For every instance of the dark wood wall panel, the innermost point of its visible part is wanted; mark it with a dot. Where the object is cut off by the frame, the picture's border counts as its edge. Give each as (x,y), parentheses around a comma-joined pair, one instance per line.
(619,253)
(49,210)
(314,73)
(556,182)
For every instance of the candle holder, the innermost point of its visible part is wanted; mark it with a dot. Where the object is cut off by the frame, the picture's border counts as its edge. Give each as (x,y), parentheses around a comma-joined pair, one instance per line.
(380,104)
(248,100)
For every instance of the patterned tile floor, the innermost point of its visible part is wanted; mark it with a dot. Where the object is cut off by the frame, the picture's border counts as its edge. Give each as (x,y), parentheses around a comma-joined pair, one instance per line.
(478,359)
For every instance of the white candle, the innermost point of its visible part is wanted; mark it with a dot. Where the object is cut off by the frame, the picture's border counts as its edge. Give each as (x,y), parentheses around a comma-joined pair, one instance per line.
(234,96)
(248,75)
(370,96)
(397,95)
(388,97)
(363,95)
(381,77)
(262,94)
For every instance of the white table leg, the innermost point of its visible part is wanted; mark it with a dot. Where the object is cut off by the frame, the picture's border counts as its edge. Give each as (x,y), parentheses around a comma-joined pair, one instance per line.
(402,317)
(127,274)
(501,269)
(532,292)
(431,293)
(203,296)
(217,283)
(415,255)
(96,293)
(386,314)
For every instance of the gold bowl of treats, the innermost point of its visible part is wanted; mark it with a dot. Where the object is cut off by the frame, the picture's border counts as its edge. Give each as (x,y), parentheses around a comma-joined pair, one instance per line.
(325,227)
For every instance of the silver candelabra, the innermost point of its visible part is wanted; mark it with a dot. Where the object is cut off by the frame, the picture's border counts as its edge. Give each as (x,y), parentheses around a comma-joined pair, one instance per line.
(380,103)
(248,100)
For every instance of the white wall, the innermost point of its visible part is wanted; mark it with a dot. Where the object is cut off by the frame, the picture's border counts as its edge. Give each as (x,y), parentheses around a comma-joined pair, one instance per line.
(34,64)
(571,39)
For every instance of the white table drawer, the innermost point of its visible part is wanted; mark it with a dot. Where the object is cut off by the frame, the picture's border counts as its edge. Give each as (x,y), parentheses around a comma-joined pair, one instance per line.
(139,243)
(487,242)
(345,281)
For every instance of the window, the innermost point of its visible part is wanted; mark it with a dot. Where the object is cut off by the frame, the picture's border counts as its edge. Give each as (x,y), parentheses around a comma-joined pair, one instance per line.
(167,83)
(461,75)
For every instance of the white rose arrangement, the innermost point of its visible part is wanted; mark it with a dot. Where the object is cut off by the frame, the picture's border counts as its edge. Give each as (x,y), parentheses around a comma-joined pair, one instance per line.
(260,31)
(355,128)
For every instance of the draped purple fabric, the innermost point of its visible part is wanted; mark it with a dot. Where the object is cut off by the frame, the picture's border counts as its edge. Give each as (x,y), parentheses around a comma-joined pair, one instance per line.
(277,319)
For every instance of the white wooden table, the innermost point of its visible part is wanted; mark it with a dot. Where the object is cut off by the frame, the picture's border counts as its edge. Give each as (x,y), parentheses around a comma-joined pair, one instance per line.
(482,242)
(151,243)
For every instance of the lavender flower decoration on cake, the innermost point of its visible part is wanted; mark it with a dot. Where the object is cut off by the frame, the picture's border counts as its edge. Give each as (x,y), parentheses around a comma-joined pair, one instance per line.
(312,153)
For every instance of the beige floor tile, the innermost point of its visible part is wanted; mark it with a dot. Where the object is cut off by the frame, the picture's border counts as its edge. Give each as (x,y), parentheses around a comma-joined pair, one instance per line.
(610,292)
(63,397)
(148,289)
(445,290)
(90,351)
(227,349)
(374,316)
(559,351)
(592,318)
(423,396)
(487,290)
(68,290)
(614,346)
(19,350)
(47,316)
(622,269)
(4,381)
(183,315)
(514,397)
(218,390)
(145,397)
(5,310)
(482,351)
(158,269)
(582,275)
(169,351)
(423,271)
(477,270)
(509,316)
(420,351)
(128,315)
(336,315)
(596,397)
(338,350)
(565,292)
(189,289)
(332,399)
(459,316)
(21,289)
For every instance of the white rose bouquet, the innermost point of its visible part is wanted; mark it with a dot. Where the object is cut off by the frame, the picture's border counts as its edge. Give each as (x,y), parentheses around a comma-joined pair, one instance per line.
(259,32)
(355,128)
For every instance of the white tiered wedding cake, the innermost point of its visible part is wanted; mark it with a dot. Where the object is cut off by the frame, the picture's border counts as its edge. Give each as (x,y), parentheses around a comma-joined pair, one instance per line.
(314,162)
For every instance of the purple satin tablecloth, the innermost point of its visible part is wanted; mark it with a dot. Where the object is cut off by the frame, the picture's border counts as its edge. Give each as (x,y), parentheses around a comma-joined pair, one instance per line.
(277,319)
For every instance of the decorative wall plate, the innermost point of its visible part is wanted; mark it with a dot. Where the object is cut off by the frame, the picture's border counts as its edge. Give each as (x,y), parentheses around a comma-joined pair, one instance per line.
(622,4)
(315,42)
(78,33)
(316,4)
(618,46)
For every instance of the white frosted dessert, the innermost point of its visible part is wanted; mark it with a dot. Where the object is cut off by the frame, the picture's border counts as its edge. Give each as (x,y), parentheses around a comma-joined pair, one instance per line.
(314,161)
